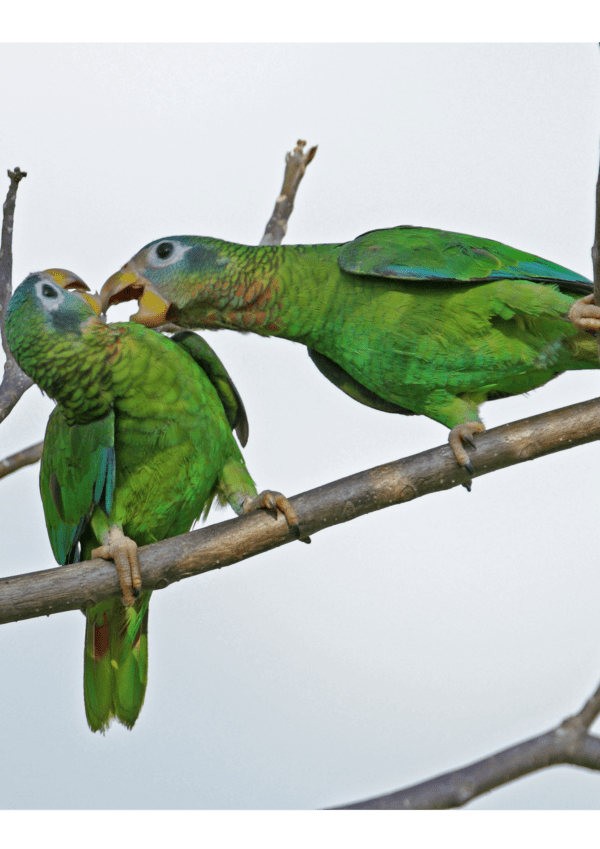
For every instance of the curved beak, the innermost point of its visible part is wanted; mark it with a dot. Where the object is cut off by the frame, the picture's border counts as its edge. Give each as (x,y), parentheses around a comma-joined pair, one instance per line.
(71,281)
(128,285)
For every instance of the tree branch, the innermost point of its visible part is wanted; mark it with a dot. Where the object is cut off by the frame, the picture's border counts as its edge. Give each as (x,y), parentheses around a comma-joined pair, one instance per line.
(22,458)
(84,584)
(295,166)
(15,382)
(568,743)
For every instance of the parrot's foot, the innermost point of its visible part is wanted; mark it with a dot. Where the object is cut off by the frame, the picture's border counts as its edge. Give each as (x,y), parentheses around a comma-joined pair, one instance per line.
(464,433)
(269,500)
(585,314)
(124,552)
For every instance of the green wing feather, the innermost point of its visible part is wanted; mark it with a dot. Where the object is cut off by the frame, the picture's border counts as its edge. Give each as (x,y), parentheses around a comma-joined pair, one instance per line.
(214,369)
(348,384)
(77,474)
(423,253)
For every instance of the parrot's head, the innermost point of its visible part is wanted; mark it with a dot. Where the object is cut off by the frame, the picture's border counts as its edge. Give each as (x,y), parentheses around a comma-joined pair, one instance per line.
(165,275)
(46,302)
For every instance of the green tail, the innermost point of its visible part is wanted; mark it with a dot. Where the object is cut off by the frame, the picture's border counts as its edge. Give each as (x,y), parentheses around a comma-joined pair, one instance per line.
(115,664)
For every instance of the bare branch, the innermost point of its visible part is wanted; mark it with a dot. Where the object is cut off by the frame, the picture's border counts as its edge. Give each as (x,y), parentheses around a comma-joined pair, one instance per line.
(295,166)
(596,246)
(84,584)
(22,458)
(15,382)
(8,220)
(454,789)
(588,713)
(568,743)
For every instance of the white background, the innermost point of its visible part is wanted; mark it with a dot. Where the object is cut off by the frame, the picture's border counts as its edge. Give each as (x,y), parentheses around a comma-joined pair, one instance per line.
(395,647)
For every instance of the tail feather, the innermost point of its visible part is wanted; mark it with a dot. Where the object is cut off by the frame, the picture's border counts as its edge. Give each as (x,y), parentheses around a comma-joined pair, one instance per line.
(115,669)
(131,674)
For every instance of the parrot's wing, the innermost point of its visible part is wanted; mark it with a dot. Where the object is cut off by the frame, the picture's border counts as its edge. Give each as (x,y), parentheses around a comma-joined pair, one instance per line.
(415,254)
(77,473)
(352,387)
(203,354)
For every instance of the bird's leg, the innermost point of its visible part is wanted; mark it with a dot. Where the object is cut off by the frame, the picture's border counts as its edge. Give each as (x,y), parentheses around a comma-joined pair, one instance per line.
(585,314)
(464,433)
(124,552)
(270,500)
(461,414)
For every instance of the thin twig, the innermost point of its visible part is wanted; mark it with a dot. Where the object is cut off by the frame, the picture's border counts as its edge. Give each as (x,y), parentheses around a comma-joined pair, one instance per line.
(295,166)
(596,245)
(15,382)
(8,221)
(22,458)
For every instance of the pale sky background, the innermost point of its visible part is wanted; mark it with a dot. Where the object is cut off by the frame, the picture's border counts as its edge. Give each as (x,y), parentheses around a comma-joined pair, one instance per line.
(408,642)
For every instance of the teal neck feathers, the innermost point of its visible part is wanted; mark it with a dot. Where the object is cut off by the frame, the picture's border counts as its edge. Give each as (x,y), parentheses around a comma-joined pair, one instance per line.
(71,367)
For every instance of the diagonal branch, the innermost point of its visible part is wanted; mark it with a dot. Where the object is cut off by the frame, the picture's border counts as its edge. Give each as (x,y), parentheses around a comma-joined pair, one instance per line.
(83,584)
(22,458)
(568,743)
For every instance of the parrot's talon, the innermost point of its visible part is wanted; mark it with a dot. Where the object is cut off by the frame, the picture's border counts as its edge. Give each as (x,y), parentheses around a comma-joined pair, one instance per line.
(271,500)
(124,552)
(467,485)
(585,314)
(464,433)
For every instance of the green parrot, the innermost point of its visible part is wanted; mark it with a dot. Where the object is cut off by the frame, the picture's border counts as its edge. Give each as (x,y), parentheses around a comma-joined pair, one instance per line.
(408,320)
(137,448)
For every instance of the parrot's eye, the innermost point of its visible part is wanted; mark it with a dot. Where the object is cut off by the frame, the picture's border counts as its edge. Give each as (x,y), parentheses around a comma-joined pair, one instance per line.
(164,250)
(49,291)
(164,254)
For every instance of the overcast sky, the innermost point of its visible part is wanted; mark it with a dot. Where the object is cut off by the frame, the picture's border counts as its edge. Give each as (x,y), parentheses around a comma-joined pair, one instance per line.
(408,642)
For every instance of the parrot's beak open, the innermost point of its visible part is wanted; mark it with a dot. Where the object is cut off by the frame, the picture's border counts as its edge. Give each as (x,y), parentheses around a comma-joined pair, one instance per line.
(128,285)
(71,281)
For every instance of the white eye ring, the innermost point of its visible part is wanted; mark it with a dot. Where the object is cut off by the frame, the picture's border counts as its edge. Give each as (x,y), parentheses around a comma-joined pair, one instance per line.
(179,250)
(50,303)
